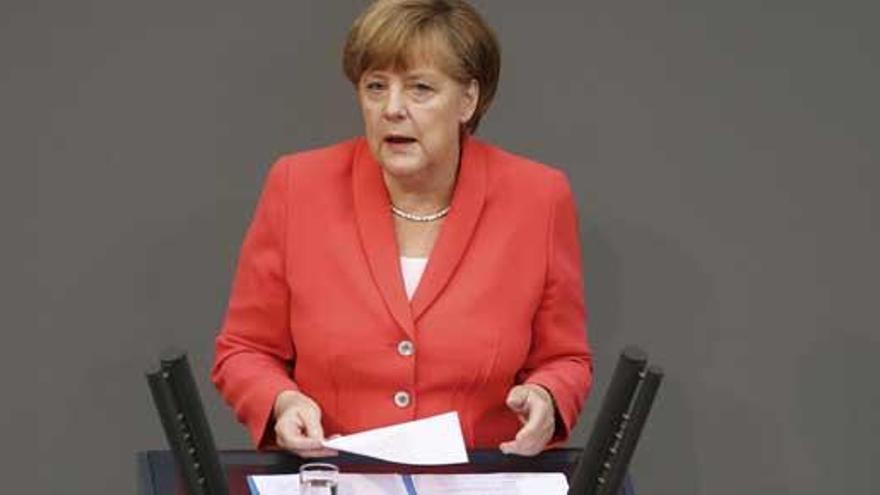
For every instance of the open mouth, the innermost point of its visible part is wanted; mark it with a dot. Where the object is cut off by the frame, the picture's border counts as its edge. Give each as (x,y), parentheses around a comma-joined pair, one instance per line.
(398,139)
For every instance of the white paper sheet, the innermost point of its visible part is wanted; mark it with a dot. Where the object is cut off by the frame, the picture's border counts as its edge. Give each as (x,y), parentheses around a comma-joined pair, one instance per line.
(491,484)
(425,442)
(349,484)
(425,484)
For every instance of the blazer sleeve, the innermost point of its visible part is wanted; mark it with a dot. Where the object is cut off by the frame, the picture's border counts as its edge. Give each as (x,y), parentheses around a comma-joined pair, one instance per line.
(559,358)
(254,351)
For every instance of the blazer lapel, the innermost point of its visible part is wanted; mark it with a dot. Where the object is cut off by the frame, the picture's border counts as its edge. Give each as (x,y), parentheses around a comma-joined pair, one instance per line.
(376,228)
(458,228)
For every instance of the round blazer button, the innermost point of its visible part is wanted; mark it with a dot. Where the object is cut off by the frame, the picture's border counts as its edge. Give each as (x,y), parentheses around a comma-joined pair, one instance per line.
(402,399)
(406,348)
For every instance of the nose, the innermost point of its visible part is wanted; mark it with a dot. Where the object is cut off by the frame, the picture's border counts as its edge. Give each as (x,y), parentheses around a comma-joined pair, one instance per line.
(395,105)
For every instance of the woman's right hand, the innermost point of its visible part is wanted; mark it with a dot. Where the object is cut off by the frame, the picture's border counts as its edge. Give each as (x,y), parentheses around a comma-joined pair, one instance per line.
(298,425)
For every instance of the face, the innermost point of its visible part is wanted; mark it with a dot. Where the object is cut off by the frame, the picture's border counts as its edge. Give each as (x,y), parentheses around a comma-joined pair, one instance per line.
(413,118)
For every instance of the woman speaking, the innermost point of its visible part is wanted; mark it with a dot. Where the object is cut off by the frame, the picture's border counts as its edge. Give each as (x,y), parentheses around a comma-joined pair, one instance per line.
(412,271)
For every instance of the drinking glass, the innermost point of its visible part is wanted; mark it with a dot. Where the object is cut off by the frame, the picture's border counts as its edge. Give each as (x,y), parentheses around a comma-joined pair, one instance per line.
(318,478)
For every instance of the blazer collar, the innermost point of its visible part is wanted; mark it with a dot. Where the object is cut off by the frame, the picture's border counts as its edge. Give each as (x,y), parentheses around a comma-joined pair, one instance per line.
(376,228)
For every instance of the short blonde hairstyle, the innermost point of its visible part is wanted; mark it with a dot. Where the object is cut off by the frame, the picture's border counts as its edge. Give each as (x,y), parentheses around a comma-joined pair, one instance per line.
(451,33)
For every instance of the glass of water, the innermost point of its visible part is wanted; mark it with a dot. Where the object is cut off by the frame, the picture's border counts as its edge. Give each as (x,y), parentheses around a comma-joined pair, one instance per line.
(318,478)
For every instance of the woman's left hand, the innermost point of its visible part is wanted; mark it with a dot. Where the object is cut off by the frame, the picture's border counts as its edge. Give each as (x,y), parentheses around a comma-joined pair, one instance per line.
(534,406)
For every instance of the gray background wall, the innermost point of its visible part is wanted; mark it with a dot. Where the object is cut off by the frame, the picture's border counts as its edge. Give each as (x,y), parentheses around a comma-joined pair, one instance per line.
(724,155)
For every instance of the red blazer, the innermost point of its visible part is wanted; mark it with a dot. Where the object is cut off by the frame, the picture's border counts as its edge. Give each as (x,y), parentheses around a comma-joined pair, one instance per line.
(318,302)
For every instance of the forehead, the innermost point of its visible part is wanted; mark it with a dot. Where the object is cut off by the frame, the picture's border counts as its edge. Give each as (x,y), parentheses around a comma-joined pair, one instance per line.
(412,71)
(426,53)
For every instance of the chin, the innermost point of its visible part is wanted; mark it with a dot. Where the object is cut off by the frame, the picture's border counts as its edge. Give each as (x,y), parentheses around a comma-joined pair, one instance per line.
(402,166)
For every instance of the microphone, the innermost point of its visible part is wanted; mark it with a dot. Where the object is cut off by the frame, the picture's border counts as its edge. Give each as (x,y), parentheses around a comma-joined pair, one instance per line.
(177,401)
(619,424)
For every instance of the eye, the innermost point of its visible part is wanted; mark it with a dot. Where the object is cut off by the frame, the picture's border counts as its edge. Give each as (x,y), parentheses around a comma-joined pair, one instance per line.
(423,88)
(374,86)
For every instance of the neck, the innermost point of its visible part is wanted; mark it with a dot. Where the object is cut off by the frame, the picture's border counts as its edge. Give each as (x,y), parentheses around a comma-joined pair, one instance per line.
(426,192)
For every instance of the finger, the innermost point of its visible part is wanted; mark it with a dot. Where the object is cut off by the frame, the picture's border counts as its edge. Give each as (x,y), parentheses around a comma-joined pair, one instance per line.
(292,435)
(517,401)
(527,446)
(529,439)
(326,451)
(532,437)
(521,444)
(508,447)
(288,431)
(520,447)
(517,398)
(313,426)
(301,443)
(527,433)
(308,447)
(537,417)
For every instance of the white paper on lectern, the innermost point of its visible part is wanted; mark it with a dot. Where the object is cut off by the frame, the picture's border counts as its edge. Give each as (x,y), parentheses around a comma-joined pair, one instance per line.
(425,484)
(491,484)
(349,484)
(430,441)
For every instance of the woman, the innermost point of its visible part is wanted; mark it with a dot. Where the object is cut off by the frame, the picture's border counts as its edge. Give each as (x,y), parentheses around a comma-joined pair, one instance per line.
(415,270)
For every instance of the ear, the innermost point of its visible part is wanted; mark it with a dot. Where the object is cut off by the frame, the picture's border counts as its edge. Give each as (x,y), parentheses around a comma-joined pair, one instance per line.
(469,101)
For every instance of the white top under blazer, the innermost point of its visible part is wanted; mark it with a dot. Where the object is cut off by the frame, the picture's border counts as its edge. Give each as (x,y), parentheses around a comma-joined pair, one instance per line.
(412,270)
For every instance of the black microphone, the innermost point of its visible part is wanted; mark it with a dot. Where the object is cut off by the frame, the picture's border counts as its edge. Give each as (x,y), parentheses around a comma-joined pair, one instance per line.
(177,401)
(625,407)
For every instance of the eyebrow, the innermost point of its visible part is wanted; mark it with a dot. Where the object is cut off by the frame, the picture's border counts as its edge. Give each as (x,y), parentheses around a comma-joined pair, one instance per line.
(422,73)
(408,76)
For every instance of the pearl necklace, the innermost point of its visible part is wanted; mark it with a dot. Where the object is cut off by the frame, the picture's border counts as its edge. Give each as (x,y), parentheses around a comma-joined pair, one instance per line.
(413,217)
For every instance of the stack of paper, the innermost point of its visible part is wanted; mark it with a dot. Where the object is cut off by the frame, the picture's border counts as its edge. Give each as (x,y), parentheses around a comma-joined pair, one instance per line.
(431,441)
(423,484)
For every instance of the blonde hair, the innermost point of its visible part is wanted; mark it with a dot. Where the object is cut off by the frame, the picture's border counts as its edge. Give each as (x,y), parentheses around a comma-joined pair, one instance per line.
(450,33)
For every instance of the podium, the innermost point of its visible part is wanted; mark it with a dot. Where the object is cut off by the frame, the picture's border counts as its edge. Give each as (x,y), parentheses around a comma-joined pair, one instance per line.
(600,469)
(157,472)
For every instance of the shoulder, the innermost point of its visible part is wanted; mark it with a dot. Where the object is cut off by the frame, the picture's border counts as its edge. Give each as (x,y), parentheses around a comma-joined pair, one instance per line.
(318,164)
(511,174)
